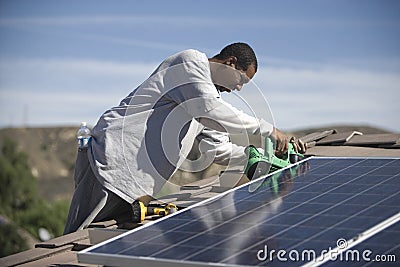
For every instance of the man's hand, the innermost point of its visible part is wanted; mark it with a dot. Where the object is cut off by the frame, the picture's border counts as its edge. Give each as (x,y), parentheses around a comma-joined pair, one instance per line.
(298,145)
(282,141)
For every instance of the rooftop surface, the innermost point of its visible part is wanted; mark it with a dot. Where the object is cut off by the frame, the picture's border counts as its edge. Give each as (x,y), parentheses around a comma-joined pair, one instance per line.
(61,251)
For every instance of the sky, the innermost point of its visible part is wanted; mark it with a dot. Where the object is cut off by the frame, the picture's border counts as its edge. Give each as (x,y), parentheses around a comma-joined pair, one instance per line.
(321,63)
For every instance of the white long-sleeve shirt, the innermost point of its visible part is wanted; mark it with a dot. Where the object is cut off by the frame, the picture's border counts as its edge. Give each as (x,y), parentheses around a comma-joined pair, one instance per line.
(137,145)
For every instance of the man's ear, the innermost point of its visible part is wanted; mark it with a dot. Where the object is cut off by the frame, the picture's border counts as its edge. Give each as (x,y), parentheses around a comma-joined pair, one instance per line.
(231,61)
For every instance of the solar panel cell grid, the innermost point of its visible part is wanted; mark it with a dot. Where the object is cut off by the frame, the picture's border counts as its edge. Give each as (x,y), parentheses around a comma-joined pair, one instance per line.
(386,242)
(311,206)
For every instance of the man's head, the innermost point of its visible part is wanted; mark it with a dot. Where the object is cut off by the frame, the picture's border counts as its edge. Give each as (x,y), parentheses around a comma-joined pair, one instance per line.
(234,66)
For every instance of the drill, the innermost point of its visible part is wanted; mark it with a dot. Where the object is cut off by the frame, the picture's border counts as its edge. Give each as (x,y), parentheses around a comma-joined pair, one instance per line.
(139,210)
(259,164)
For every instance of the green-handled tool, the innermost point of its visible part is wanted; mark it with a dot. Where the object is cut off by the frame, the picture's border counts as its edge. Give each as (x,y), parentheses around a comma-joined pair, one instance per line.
(259,164)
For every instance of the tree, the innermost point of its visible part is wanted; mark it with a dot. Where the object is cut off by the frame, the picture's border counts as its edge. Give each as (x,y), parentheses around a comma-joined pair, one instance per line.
(10,240)
(19,201)
(18,190)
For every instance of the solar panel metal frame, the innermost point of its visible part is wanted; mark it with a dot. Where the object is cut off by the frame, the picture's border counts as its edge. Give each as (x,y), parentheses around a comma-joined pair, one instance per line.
(86,256)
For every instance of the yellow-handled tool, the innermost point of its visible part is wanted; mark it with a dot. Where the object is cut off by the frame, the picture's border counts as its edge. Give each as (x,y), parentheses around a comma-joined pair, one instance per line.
(140,211)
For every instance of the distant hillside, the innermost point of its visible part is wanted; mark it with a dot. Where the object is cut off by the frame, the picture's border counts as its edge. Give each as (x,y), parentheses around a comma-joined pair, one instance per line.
(52,153)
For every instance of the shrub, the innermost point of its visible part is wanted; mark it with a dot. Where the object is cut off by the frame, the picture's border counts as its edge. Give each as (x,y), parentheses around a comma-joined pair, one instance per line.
(19,201)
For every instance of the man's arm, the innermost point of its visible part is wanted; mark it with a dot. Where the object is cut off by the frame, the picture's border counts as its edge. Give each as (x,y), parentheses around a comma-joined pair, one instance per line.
(227,118)
(224,117)
(197,94)
(216,114)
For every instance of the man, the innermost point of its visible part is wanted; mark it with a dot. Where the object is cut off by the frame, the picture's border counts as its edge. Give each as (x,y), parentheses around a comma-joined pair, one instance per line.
(138,145)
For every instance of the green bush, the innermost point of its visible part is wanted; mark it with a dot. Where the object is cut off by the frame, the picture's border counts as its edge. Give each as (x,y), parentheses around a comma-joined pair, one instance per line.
(18,190)
(51,216)
(19,199)
(10,240)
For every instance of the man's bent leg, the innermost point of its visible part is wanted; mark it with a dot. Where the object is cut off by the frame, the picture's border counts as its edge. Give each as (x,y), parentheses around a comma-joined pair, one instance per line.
(89,196)
(91,201)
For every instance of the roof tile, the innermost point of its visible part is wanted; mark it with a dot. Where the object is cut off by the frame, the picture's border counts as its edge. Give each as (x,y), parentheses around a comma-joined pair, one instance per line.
(64,239)
(373,140)
(32,255)
(201,183)
(338,138)
(316,136)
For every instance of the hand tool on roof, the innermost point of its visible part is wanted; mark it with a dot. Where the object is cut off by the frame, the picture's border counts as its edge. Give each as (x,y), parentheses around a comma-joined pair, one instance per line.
(139,210)
(259,164)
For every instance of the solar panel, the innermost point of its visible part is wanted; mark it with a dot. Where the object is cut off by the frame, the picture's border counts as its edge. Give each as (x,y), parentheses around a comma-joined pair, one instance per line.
(385,245)
(301,215)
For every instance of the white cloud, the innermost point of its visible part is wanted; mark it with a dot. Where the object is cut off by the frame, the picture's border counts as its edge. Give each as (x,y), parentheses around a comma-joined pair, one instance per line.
(305,96)
(60,91)
(67,91)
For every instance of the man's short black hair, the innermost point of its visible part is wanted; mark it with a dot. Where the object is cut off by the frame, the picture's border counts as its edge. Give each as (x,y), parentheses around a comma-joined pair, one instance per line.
(243,52)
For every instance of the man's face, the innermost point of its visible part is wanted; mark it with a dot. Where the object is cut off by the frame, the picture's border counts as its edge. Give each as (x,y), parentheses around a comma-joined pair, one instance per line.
(227,77)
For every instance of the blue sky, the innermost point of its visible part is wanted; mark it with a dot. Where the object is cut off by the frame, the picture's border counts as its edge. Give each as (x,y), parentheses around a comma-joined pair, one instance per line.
(321,62)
